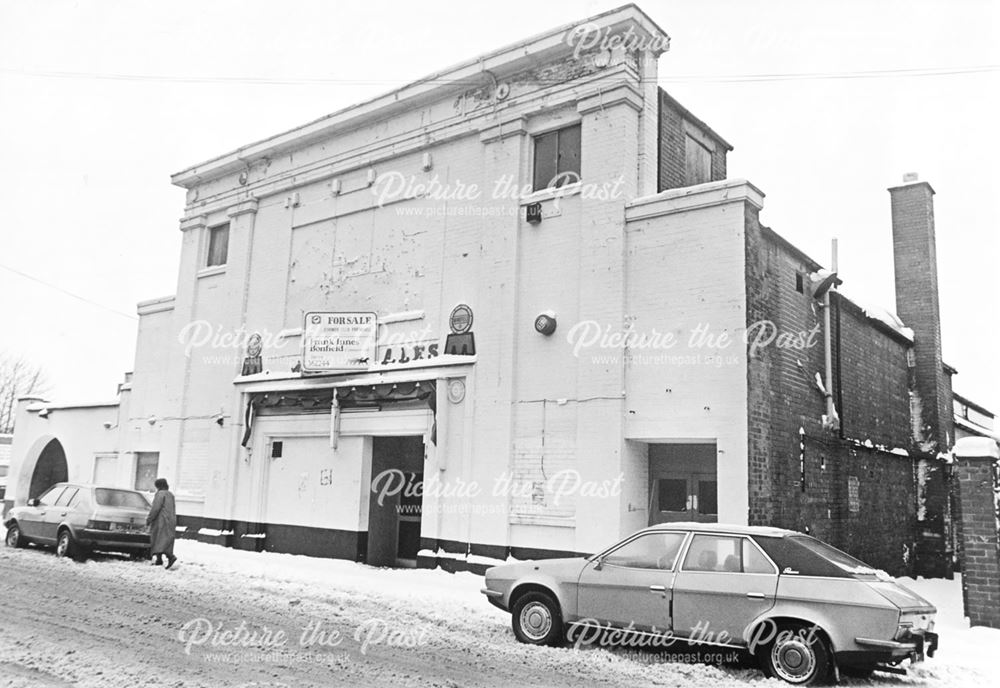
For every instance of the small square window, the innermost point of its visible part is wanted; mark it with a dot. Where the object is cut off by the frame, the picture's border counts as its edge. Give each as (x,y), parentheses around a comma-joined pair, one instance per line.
(557,158)
(276,449)
(218,245)
(799,285)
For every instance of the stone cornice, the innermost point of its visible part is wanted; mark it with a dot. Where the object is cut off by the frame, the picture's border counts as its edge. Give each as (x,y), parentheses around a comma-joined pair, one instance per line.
(548,46)
(512,119)
(694,197)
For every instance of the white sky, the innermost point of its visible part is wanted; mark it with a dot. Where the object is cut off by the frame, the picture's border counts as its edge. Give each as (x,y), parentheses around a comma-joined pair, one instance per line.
(86,203)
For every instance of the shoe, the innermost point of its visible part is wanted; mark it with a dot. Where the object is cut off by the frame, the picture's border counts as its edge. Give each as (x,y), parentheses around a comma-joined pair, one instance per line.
(157,562)
(170,560)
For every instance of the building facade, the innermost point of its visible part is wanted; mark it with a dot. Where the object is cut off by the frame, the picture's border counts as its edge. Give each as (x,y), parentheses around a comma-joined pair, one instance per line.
(573,325)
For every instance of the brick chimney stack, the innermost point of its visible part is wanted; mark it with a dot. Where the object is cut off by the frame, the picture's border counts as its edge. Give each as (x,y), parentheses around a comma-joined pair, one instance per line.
(915,259)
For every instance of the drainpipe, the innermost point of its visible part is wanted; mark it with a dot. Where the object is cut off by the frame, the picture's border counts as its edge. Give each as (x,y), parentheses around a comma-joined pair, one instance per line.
(828,349)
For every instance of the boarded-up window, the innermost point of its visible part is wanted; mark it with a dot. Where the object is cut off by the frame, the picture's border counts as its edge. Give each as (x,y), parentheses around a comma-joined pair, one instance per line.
(146,466)
(218,245)
(194,463)
(105,469)
(541,484)
(697,162)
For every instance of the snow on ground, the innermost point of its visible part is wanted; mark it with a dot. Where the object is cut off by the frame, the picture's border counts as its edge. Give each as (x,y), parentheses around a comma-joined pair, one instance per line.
(467,631)
(963,649)
(967,655)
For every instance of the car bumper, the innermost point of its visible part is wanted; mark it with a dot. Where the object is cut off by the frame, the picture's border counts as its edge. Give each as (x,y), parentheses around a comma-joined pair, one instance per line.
(495,598)
(916,647)
(113,539)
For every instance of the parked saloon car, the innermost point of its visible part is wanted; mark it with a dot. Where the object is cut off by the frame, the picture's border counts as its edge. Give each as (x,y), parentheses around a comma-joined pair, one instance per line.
(79,518)
(805,609)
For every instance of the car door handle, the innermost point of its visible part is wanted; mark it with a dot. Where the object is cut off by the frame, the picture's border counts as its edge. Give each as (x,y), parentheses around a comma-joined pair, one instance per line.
(658,588)
(63,513)
(756,595)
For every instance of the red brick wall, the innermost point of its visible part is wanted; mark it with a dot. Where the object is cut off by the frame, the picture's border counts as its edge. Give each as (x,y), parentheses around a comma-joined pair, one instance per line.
(671,143)
(977,526)
(872,378)
(858,498)
(915,256)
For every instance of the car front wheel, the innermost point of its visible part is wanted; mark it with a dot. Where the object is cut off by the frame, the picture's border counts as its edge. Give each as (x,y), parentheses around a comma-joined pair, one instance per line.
(798,655)
(537,620)
(14,537)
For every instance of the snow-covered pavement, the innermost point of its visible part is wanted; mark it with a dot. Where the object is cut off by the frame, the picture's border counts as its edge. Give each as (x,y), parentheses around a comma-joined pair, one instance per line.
(231,618)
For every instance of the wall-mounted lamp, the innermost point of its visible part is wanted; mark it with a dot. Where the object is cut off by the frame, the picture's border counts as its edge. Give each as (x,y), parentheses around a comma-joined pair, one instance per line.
(533,213)
(151,420)
(108,425)
(219,419)
(821,281)
(44,413)
(545,323)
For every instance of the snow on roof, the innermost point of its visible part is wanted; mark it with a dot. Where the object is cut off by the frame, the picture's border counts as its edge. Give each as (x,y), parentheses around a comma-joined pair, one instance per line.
(879,314)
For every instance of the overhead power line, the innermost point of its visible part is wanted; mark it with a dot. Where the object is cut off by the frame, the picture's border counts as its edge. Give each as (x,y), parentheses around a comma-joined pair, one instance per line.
(67,292)
(331,81)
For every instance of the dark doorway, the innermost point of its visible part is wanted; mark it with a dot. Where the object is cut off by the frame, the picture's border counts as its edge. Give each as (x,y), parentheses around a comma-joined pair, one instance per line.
(49,469)
(395,501)
(683,483)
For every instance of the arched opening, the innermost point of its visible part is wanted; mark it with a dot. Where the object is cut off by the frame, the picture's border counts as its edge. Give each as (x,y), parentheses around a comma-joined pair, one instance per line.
(43,466)
(50,469)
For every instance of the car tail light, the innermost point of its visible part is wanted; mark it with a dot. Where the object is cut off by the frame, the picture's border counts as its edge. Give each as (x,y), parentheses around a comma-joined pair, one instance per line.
(903,630)
(98,525)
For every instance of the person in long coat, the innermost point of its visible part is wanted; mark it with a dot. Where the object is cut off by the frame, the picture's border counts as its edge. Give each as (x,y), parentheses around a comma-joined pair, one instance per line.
(162,522)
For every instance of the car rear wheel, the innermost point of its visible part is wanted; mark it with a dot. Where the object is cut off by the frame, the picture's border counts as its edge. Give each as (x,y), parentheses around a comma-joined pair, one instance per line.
(798,655)
(536,619)
(65,546)
(14,537)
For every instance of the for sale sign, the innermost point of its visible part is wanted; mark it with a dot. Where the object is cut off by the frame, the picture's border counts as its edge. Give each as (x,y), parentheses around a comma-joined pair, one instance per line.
(338,341)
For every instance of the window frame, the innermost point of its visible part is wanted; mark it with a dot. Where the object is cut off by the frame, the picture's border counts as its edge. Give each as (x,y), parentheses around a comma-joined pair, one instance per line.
(558,133)
(61,488)
(211,233)
(602,557)
(67,496)
(744,539)
(139,455)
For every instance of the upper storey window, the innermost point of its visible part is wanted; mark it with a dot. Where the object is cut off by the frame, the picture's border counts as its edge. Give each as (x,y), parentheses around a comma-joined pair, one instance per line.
(697,162)
(218,246)
(557,158)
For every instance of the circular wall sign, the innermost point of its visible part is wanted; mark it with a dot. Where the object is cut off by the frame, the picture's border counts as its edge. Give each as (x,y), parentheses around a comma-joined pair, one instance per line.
(461,319)
(456,390)
(254,345)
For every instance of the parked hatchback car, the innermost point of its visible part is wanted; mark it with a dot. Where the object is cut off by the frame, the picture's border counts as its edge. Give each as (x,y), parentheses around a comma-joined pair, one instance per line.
(79,518)
(804,609)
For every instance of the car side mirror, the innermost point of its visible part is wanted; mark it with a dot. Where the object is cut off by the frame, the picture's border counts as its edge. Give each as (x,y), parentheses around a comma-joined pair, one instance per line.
(32,502)
(599,563)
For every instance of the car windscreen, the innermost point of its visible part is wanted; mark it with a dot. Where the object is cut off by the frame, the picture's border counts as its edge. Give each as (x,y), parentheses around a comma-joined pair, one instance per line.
(807,556)
(123,498)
